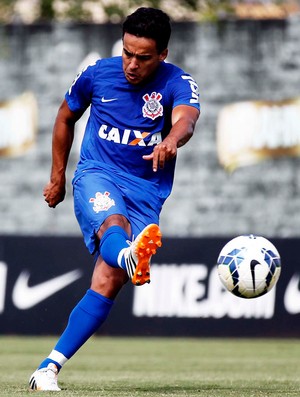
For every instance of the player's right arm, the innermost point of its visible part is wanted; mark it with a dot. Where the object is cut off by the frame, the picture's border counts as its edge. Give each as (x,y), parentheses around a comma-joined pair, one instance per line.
(63,134)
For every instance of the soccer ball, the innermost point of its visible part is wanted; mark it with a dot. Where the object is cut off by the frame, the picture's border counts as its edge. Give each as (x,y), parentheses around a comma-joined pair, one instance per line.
(249,266)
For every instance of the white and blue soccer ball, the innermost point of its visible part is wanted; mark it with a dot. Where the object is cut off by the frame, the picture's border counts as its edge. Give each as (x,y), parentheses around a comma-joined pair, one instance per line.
(249,266)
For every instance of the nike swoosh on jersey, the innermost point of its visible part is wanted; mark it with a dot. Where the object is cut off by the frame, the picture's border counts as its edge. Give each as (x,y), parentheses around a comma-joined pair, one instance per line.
(108,100)
(25,296)
(292,295)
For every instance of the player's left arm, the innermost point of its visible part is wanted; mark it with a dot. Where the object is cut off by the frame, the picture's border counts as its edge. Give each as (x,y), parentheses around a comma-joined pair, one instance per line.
(184,119)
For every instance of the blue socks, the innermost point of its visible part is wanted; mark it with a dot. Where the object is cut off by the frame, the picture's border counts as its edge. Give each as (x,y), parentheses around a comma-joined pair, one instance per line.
(85,319)
(112,245)
(93,309)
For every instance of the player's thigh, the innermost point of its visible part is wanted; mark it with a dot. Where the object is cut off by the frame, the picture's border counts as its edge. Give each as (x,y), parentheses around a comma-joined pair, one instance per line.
(143,207)
(95,199)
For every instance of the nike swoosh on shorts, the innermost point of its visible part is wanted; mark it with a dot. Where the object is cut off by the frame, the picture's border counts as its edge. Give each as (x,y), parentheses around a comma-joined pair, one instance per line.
(24,297)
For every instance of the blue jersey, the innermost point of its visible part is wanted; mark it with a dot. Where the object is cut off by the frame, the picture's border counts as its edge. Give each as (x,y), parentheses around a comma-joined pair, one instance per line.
(126,121)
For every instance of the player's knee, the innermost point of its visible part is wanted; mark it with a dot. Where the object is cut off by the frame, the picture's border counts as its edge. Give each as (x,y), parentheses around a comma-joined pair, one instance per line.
(114,220)
(108,281)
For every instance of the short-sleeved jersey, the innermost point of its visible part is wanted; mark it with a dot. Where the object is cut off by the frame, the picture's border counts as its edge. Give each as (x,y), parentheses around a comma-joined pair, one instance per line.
(126,121)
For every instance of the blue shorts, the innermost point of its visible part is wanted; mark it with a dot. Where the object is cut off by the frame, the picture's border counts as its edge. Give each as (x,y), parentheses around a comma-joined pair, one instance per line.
(98,194)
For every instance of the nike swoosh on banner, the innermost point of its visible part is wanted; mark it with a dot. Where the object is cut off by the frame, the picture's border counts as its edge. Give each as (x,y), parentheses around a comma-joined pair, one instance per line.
(25,297)
(108,100)
(292,295)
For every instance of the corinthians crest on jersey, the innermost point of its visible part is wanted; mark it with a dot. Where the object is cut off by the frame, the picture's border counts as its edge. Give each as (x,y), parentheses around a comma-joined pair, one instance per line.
(152,107)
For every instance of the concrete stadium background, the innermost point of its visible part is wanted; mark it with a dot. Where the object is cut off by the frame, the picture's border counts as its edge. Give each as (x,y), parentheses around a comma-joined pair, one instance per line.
(231,61)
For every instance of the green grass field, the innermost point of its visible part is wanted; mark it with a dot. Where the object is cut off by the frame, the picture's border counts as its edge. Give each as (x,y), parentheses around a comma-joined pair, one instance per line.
(159,367)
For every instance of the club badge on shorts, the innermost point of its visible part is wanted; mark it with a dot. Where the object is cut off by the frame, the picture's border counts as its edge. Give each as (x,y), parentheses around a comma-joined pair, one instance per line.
(152,107)
(102,202)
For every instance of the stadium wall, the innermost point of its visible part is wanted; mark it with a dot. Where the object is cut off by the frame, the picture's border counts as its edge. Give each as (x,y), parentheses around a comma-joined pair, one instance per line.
(42,278)
(234,62)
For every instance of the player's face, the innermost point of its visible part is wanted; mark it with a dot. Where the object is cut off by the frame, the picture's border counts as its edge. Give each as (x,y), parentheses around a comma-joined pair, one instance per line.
(140,58)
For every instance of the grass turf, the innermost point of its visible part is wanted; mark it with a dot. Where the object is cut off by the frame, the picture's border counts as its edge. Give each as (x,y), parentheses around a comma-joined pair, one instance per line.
(159,367)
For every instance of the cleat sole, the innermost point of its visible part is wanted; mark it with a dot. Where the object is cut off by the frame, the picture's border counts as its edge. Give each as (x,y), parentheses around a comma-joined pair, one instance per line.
(149,241)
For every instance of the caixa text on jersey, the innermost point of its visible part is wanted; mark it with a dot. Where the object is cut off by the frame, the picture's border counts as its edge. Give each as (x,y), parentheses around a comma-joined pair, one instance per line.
(129,137)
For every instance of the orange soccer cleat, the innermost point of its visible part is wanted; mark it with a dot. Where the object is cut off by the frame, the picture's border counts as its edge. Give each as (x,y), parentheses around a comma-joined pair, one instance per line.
(138,255)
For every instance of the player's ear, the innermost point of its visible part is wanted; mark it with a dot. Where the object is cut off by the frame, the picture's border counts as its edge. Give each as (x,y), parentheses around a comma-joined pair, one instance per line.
(163,55)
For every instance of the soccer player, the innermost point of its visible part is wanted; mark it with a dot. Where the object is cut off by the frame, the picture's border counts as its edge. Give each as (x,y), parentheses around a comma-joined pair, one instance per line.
(142,110)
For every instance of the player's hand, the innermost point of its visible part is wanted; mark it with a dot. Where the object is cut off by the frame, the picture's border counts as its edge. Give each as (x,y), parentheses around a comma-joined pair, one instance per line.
(163,152)
(54,193)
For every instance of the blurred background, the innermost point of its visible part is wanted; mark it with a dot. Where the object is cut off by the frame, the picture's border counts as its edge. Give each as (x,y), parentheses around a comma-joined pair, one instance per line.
(229,180)
(238,175)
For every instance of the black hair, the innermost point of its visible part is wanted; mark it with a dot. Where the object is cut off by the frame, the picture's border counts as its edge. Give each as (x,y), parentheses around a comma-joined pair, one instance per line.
(151,23)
